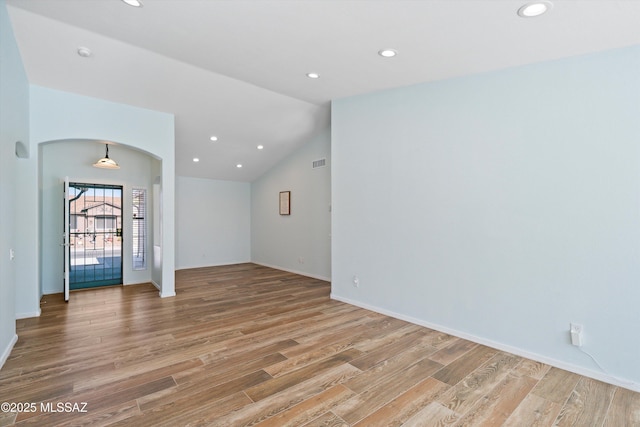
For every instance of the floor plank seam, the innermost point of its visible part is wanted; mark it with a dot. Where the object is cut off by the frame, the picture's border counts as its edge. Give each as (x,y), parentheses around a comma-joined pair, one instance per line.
(248,397)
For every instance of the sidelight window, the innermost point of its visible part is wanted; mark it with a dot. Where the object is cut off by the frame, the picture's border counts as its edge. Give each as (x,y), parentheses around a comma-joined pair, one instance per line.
(139,233)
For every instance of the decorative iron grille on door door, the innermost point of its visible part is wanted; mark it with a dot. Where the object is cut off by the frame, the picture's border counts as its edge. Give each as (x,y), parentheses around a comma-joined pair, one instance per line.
(95,230)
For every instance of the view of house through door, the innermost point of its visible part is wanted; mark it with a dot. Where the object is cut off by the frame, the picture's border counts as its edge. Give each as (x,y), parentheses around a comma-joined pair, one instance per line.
(95,235)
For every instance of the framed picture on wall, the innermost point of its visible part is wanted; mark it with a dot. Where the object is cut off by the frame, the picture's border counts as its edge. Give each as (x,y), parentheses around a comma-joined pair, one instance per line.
(285,203)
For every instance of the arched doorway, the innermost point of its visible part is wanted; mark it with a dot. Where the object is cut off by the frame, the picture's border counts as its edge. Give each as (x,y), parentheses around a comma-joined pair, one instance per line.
(101,219)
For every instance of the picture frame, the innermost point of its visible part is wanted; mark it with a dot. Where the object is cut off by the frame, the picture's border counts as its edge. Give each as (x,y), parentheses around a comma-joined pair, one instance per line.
(285,203)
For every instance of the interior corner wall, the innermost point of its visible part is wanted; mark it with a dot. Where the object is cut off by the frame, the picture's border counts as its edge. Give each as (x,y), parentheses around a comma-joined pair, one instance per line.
(499,207)
(300,242)
(14,126)
(213,222)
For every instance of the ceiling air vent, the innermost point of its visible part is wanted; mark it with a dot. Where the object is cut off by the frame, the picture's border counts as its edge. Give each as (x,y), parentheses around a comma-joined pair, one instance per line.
(319,163)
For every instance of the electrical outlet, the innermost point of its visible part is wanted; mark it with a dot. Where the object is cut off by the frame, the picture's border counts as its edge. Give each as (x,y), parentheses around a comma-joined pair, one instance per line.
(575,330)
(356,281)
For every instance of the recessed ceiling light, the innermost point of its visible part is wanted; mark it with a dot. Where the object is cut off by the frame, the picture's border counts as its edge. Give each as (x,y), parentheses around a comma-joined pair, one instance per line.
(388,53)
(313,75)
(260,147)
(214,138)
(196,160)
(85,52)
(238,165)
(531,10)
(134,3)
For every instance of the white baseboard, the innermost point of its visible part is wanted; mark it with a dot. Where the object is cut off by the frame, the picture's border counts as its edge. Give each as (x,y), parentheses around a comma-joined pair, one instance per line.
(600,376)
(28,315)
(301,273)
(7,351)
(140,283)
(163,294)
(189,267)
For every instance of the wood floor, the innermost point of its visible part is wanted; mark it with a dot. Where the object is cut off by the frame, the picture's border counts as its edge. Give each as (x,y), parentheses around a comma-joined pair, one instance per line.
(249,345)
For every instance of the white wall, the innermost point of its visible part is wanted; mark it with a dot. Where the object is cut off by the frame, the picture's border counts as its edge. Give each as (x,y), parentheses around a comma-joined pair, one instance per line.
(500,207)
(299,242)
(74,159)
(14,126)
(212,222)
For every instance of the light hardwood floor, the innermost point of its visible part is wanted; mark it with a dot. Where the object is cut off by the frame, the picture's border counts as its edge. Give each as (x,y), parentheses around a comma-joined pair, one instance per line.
(248,345)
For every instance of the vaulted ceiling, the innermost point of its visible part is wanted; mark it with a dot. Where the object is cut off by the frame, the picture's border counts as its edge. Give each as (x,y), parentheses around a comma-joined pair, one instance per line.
(237,69)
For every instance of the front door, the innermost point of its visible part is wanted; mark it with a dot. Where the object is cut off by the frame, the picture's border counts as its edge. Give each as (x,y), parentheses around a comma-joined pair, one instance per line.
(95,235)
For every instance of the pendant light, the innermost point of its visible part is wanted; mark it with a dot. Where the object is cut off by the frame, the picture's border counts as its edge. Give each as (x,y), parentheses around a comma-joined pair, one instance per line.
(106,162)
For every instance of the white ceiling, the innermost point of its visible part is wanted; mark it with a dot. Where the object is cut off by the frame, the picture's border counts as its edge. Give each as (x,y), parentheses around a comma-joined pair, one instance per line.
(237,68)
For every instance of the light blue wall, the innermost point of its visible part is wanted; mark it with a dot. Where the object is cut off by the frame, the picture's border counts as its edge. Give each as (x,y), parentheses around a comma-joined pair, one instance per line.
(57,115)
(74,159)
(299,242)
(213,219)
(500,207)
(14,126)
